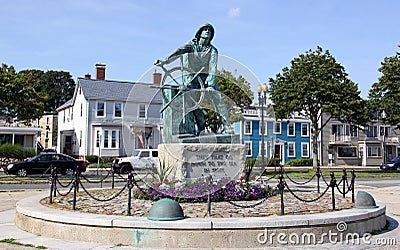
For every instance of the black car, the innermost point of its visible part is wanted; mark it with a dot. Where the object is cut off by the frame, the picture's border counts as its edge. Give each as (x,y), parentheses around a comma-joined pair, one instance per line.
(393,164)
(41,164)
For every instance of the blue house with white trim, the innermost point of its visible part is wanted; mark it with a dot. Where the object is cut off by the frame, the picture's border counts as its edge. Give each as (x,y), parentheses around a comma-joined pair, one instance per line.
(287,140)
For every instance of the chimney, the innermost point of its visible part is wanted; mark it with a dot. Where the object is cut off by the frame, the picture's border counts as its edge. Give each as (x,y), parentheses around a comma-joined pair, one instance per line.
(88,76)
(100,71)
(156,77)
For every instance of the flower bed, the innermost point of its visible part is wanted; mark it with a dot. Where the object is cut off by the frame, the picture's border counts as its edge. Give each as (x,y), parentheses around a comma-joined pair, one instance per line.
(221,190)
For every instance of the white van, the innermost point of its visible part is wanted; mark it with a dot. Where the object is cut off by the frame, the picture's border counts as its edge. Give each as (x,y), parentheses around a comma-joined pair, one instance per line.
(140,159)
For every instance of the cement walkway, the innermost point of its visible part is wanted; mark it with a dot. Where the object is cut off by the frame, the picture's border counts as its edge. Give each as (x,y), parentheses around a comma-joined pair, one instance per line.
(8,230)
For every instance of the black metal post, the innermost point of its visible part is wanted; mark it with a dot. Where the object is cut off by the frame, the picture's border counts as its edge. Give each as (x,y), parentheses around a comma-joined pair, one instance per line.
(333,184)
(209,203)
(281,187)
(130,186)
(55,182)
(344,179)
(112,174)
(76,184)
(318,174)
(209,181)
(353,180)
(51,183)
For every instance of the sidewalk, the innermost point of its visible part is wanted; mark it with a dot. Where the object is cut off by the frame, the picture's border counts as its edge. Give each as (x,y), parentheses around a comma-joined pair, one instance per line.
(8,230)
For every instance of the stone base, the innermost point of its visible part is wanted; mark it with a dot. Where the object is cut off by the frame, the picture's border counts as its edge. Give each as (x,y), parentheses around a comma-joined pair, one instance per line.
(193,161)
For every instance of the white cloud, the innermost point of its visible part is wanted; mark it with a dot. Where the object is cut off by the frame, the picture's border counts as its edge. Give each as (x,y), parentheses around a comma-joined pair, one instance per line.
(234,12)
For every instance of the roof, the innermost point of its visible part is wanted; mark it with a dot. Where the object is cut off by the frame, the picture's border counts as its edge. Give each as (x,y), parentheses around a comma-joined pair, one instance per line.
(108,90)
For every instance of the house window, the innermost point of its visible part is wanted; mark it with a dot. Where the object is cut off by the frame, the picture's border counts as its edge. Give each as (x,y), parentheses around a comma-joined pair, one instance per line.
(291,149)
(113,139)
(304,130)
(105,139)
(374,151)
(118,109)
(80,90)
(5,138)
(248,146)
(384,131)
(277,128)
(64,116)
(97,138)
(47,120)
(81,109)
(291,129)
(265,148)
(372,131)
(100,107)
(142,111)
(248,127)
(347,152)
(353,131)
(305,150)
(265,128)
(19,139)
(80,138)
(47,135)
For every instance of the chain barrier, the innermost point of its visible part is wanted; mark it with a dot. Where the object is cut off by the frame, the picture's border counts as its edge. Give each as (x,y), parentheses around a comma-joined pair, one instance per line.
(99,181)
(69,191)
(299,183)
(63,185)
(323,178)
(102,200)
(304,200)
(250,206)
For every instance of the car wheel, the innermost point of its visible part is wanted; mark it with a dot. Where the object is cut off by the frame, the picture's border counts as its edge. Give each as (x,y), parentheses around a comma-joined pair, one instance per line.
(125,168)
(69,171)
(22,172)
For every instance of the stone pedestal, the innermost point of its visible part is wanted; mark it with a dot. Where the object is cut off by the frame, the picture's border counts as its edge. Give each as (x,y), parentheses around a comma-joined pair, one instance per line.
(194,161)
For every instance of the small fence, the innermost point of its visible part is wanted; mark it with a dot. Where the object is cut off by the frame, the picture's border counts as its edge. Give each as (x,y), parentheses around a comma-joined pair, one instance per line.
(344,186)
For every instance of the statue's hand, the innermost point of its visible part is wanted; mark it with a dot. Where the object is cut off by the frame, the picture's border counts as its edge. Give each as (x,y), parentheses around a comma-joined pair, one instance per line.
(158,62)
(210,88)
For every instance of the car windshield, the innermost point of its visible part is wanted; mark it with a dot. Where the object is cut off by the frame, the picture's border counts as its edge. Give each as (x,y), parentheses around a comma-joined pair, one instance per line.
(32,159)
(395,159)
(136,153)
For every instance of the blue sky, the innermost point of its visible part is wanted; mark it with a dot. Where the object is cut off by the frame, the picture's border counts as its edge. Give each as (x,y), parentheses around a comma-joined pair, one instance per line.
(264,36)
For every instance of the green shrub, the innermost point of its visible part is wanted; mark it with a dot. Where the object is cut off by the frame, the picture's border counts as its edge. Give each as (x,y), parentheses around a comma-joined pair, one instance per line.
(92,158)
(301,162)
(14,151)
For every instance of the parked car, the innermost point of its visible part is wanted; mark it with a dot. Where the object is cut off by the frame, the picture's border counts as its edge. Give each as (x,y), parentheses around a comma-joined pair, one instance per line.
(393,164)
(41,163)
(140,159)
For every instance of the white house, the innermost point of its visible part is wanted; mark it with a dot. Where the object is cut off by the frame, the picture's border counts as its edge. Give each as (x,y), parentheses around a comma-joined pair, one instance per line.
(110,118)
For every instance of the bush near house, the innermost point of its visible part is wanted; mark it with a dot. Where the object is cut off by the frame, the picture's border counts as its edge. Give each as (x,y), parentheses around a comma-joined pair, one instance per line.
(301,162)
(92,158)
(14,152)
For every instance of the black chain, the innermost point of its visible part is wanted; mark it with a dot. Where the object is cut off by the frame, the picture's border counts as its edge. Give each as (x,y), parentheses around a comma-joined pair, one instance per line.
(69,191)
(101,180)
(340,191)
(304,200)
(300,183)
(323,178)
(249,206)
(103,200)
(62,185)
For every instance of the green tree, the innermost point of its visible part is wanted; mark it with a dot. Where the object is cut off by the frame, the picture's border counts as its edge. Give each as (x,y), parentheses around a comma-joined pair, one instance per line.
(316,84)
(59,87)
(237,95)
(385,94)
(7,81)
(30,101)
